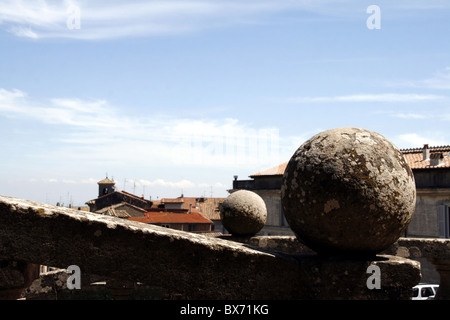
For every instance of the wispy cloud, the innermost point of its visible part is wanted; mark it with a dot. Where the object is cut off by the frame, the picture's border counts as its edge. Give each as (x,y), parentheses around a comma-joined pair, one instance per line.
(136,18)
(414,140)
(115,18)
(163,183)
(89,130)
(440,80)
(384,97)
(410,115)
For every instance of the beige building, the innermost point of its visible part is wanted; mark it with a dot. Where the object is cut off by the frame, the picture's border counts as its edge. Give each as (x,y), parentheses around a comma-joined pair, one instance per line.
(431,167)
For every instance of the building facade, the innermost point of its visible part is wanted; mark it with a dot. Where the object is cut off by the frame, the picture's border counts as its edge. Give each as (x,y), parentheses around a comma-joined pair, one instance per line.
(431,168)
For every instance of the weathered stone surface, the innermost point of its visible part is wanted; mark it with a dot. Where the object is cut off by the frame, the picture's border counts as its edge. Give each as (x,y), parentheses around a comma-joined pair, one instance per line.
(436,251)
(190,265)
(15,276)
(425,247)
(287,244)
(346,279)
(348,190)
(243,213)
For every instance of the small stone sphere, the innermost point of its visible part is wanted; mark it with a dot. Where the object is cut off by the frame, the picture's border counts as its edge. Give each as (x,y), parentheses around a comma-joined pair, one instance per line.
(243,213)
(348,191)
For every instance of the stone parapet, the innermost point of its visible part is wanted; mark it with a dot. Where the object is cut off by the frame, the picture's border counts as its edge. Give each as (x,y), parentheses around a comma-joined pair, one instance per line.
(188,265)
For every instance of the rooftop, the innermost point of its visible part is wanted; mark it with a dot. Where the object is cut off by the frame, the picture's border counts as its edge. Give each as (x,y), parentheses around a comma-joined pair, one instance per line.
(172,217)
(439,157)
(121,210)
(274,171)
(106,181)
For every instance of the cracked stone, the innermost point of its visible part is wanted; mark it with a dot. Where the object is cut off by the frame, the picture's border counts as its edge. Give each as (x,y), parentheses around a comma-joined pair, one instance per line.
(348,190)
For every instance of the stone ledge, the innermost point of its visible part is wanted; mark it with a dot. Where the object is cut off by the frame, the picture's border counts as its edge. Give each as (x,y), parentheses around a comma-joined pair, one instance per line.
(185,264)
(424,247)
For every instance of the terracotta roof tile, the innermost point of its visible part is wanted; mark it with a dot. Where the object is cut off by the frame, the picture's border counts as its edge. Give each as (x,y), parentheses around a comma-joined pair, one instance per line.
(172,217)
(274,171)
(414,157)
(416,161)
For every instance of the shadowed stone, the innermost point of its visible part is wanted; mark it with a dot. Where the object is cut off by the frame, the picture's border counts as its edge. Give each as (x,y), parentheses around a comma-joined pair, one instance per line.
(436,251)
(15,276)
(348,191)
(243,213)
(193,266)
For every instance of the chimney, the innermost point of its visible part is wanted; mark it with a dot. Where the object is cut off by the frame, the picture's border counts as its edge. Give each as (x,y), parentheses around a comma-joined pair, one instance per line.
(437,159)
(190,208)
(426,152)
(235,182)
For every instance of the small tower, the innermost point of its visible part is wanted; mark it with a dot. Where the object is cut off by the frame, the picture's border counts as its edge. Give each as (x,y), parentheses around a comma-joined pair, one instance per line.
(105,186)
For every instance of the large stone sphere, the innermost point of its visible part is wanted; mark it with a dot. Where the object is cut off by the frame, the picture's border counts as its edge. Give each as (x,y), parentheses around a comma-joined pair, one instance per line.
(243,213)
(348,191)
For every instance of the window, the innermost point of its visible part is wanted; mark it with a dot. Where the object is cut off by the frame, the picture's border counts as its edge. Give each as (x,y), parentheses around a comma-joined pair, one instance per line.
(427,292)
(443,221)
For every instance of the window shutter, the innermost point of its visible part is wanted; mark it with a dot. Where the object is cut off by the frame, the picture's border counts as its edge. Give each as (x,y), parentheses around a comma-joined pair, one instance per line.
(443,221)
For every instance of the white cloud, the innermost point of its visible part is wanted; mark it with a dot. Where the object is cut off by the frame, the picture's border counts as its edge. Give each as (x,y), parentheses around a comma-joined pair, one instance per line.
(119,18)
(96,132)
(440,80)
(162,183)
(384,97)
(25,32)
(88,181)
(111,19)
(414,140)
(409,115)
(69,181)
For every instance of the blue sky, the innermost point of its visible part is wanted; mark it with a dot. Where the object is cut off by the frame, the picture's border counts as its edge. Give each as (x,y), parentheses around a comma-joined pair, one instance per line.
(171,97)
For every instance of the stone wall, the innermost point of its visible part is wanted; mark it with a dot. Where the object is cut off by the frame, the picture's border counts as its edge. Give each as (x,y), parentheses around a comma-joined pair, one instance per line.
(183,264)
